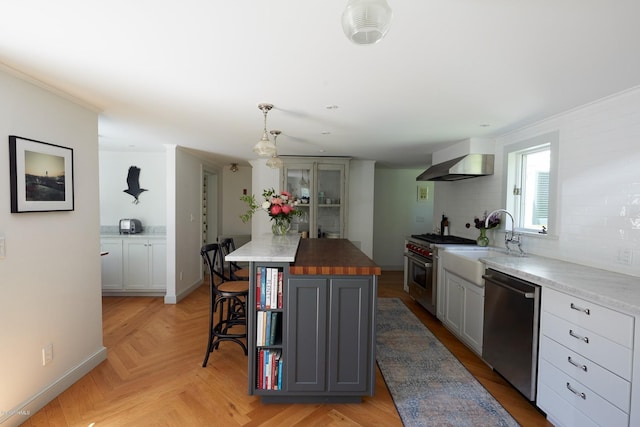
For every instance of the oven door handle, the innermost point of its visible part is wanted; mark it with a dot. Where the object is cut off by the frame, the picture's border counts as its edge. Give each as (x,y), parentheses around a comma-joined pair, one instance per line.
(417,260)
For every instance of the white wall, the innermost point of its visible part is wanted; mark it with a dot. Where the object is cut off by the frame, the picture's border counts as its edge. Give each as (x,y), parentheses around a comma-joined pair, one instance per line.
(262,177)
(116,204)
(234,184)
(360,224)
(50,278)
(185,234)
(398,214)
(599,186)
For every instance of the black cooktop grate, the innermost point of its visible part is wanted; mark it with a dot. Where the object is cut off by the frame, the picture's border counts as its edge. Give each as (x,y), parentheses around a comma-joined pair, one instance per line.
(436,238)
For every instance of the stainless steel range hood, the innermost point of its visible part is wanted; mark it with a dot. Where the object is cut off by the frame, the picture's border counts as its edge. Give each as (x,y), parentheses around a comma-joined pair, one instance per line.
(465,167)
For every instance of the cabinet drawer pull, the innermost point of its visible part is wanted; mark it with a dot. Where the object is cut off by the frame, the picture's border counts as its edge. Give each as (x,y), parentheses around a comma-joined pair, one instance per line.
(582,395)
(585,339)
(584,310)
(577,365)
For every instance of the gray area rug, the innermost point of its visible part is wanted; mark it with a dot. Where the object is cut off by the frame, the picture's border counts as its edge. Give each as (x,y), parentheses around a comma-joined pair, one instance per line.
(429,386)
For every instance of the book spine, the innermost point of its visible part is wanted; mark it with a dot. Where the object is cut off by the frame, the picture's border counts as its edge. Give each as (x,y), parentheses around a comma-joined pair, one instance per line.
(280,285)
(263,290)
(258,287)
(272,371)
(274,328)
(267,329)
(260,369)
(259,320)
(267,370)
(274,288)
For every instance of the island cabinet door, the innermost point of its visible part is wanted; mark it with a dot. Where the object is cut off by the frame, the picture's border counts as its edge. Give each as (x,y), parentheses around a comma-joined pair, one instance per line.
(349,327)
(306,349)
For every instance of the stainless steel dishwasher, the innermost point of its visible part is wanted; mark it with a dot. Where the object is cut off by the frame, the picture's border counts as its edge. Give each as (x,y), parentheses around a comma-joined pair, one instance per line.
(510,332)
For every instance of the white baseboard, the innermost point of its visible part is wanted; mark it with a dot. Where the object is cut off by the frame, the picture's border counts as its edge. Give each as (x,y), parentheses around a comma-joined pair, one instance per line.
(20,414)
(176,299)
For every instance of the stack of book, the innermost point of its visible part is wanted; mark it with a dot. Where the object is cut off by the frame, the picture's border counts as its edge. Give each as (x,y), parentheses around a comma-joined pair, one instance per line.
(268,288)
(269,369)
(268,323)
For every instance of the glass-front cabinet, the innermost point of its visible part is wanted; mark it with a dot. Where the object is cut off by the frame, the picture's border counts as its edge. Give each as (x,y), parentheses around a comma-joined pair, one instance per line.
(321,186)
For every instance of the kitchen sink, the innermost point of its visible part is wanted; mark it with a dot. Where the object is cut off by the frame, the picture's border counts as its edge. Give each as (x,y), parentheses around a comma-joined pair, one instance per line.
(466,263)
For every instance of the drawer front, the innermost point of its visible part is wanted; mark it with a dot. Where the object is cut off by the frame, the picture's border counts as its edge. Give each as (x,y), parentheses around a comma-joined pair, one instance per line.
(608,385)
(559,411)
(599,349)
(616,326)
(581,398)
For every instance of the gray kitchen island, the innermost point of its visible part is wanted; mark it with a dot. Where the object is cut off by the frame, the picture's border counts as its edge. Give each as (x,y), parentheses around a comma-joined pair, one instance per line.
(311,319)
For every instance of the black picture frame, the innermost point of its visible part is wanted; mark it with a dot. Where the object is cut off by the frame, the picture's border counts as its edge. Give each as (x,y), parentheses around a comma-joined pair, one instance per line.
(41,176)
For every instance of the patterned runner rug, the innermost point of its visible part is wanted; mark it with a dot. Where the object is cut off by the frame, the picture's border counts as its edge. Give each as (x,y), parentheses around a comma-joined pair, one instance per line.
(429,386)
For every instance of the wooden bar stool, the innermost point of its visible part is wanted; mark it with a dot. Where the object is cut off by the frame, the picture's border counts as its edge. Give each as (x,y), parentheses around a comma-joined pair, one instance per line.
(228,299)
(235,271)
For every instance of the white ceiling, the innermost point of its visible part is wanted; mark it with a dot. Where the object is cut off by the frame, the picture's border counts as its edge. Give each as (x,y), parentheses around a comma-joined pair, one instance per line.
(192,72)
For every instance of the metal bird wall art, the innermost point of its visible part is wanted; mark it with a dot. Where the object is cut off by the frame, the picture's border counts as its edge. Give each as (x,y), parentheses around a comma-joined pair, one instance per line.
(133,181)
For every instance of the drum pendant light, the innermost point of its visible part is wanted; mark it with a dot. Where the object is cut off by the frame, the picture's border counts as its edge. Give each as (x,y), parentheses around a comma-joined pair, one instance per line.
(366,21)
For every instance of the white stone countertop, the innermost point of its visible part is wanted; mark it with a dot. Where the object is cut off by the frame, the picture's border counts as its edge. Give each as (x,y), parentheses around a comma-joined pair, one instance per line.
(144,234)
(614,290)
(267,248)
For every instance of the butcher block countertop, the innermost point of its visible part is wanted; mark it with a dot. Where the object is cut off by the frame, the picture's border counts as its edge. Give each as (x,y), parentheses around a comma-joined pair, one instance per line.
(332,257)
(308,256)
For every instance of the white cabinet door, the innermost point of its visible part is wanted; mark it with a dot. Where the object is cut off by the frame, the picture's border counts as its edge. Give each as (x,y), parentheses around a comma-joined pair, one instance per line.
(464,310)
(158,264)
(111,264)
(299,179)
(473,316)
(331,200)
(136,264)
(454,294)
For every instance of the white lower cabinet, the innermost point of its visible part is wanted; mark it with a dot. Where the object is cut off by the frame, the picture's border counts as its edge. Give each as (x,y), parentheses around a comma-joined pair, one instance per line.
(585,362)
(464,310)
(145,264)
(111,264)
(140,265)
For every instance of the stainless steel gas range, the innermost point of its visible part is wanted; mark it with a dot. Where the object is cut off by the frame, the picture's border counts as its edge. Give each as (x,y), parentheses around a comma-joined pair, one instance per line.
(420,266)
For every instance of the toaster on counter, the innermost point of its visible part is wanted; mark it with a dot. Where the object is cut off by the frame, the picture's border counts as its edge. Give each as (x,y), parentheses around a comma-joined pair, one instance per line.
(130,226)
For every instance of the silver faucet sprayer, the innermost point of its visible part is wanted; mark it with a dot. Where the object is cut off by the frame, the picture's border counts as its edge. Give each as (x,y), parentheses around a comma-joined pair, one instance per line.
(515,238)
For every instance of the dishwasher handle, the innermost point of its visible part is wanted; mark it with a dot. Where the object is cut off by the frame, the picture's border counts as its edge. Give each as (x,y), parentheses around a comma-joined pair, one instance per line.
(528,295)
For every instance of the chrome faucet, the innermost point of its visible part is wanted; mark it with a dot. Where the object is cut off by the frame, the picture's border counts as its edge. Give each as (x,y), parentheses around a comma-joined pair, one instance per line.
(514,238)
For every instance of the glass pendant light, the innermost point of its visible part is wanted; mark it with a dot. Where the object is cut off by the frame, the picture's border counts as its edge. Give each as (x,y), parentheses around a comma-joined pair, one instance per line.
(366,21)
(264,147)
(274,161)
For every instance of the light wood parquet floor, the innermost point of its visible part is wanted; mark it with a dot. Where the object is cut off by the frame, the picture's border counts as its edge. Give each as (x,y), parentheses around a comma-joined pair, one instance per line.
(153,375)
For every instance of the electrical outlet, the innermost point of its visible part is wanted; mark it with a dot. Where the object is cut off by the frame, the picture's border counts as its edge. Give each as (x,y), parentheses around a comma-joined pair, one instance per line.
(47,355)
(625,256)
(3,244)
(181,275)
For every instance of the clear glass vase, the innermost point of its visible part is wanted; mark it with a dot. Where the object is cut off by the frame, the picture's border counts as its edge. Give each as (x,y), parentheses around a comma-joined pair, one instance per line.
(280,225)
(482,240)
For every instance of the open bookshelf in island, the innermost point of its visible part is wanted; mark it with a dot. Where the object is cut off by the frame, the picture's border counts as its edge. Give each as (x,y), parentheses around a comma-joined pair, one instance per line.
(265,307)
